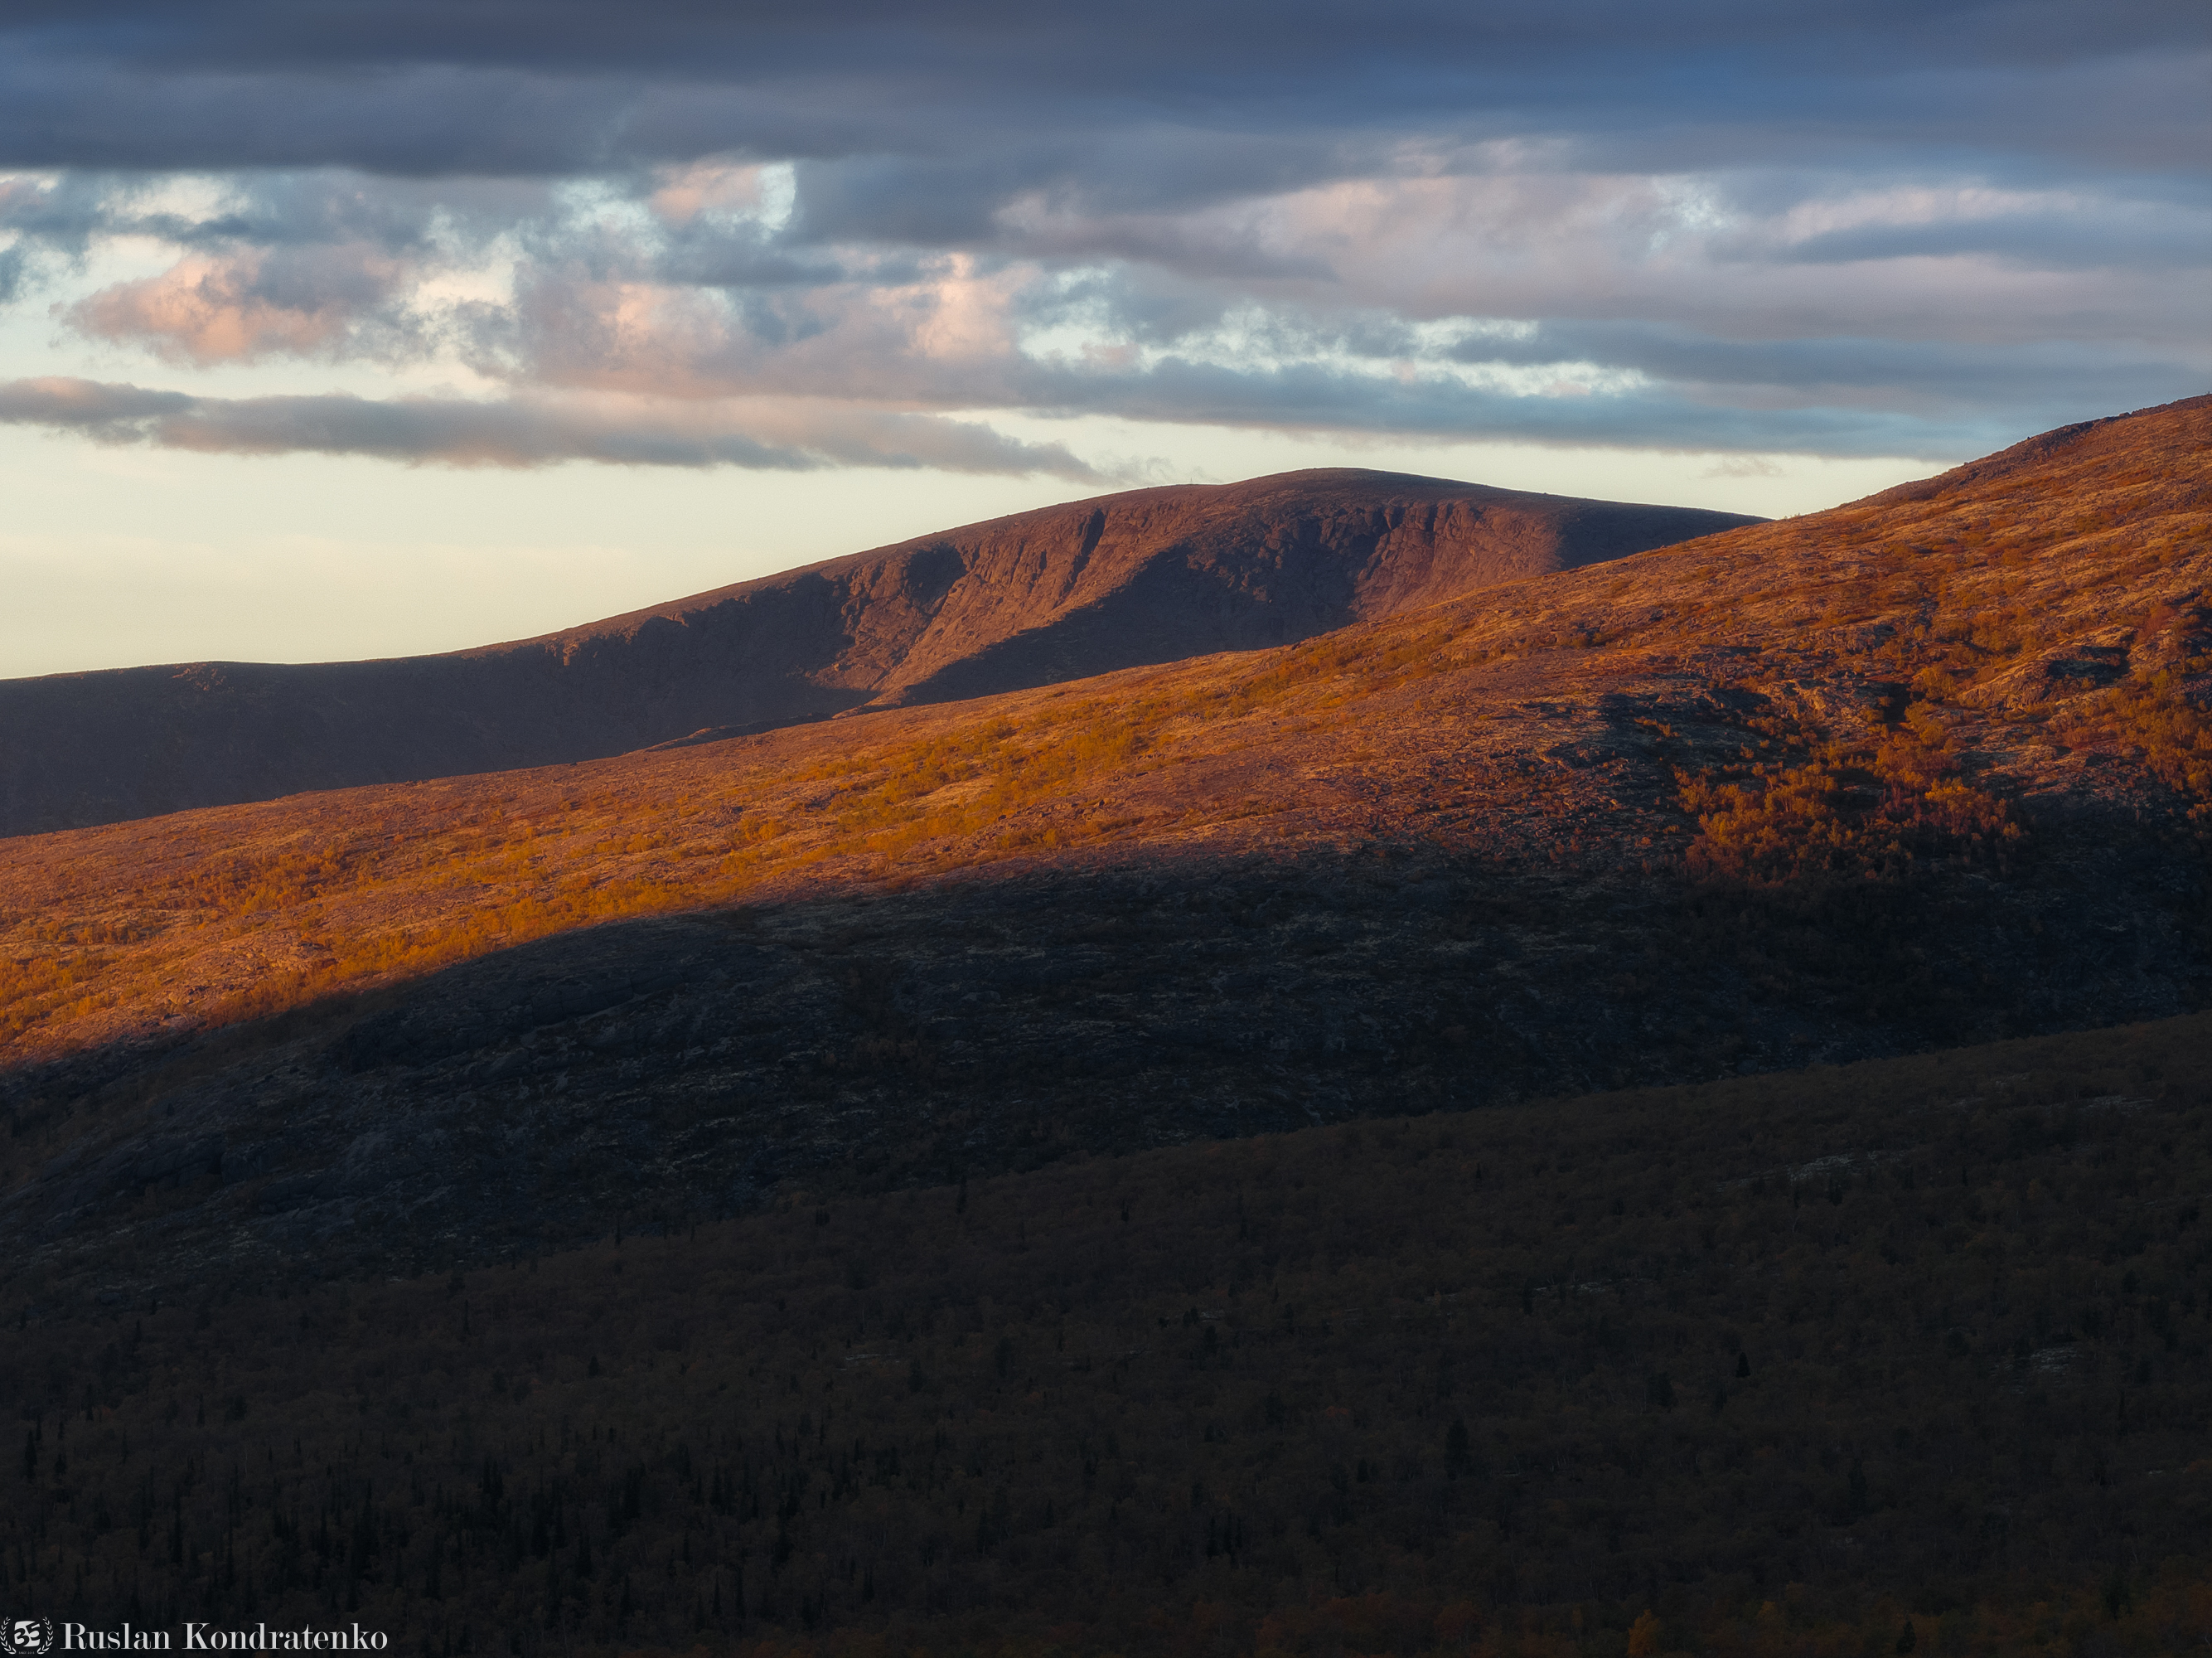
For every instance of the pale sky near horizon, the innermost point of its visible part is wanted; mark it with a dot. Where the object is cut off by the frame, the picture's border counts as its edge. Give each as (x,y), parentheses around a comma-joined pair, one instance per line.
(120,557)
(331,333)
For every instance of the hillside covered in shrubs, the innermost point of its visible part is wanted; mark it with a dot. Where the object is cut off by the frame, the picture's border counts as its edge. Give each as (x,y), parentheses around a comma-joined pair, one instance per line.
(1905,1356)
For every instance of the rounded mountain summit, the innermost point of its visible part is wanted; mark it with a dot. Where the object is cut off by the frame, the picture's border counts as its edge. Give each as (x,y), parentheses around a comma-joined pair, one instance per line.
(1121,581)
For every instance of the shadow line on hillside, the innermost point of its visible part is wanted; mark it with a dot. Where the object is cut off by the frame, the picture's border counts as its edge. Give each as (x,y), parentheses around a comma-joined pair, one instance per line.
(647,1071)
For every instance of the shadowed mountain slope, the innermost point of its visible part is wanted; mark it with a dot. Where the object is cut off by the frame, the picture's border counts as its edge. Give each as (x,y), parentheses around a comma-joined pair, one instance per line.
(1150,576)
(1920,1338)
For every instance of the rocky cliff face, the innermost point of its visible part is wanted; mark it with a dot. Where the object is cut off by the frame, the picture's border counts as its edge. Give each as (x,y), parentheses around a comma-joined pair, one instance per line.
(1147,576)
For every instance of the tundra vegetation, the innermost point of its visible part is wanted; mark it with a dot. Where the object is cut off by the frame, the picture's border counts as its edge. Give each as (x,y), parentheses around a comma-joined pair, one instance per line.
(1906,1355)
(1933,682)
(1775,1365)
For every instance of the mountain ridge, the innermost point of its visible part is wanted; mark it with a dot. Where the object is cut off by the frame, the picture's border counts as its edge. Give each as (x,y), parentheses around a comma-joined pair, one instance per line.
(1060,593)
(2030,452)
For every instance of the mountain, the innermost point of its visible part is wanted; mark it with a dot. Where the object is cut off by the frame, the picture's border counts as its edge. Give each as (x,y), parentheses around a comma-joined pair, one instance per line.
(1928,769)
(1150,576)
(658,1203)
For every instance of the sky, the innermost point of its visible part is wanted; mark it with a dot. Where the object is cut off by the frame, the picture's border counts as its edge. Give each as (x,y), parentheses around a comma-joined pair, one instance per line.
(340,328)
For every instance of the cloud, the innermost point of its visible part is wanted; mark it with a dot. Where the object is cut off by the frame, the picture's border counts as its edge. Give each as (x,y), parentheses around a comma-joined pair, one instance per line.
(206,310)
(1008,96)
(1893,227)
(1742,466)
(110,413)
(457,432)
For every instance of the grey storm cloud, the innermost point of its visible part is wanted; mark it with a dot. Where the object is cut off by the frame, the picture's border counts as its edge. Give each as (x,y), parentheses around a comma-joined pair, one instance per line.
(2152,235)
(540,86)
(1310,397)
(452,432)
(1958,378)
(1892,226)
(456,432)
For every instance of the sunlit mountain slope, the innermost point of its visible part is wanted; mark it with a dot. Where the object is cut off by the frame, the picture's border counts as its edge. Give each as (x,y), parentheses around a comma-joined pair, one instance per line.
(1148,575)
(1923,769)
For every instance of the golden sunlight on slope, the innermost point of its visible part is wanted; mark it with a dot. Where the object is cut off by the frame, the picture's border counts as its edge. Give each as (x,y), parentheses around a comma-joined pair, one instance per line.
(2026,636)
(1037,599)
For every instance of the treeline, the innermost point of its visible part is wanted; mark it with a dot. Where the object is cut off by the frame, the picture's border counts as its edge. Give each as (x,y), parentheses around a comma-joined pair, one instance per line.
(1783,1364)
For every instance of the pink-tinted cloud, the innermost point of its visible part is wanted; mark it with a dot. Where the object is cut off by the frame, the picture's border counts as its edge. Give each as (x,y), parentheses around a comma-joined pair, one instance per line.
(238,307)
(1918,229)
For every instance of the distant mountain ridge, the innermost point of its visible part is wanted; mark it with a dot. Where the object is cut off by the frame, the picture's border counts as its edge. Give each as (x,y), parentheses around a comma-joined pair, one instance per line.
(1128,580)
